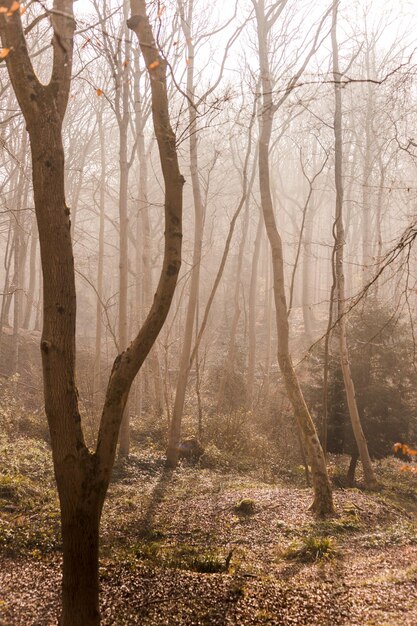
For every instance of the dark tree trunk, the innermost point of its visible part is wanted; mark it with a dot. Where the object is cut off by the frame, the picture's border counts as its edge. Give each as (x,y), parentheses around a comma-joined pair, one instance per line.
(350,477)
(83,477)
(80,583)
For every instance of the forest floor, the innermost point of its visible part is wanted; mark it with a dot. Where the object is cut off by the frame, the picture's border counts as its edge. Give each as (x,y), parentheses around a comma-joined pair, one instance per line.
(204,547)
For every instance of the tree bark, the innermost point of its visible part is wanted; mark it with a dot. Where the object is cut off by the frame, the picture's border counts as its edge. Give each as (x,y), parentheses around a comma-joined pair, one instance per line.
(323,500)
(252,316)
(369,476)
(82,476)
(100,269)
(122,110)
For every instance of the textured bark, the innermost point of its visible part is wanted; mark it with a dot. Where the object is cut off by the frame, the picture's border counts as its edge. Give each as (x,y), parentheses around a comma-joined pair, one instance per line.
(82,476)
(369,475)
(323,500)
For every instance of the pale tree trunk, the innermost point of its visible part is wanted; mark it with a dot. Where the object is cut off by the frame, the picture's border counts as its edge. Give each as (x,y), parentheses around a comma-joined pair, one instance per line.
(323,500)
(39,304)
(7,265)
(231,350)
(307,297)
(122,112)
(226,250)
(366,188)
(82,476)
(379,220)
(75,197)
(369,476)
(269,289)
(20,199)
(250,385)
(184,365)
(143,253)
(16,299)
(141,209)
(32,275)
(100,268)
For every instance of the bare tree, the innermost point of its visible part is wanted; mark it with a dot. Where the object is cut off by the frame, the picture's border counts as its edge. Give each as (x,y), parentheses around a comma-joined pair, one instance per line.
(83,476)
(265,18)
(369,475)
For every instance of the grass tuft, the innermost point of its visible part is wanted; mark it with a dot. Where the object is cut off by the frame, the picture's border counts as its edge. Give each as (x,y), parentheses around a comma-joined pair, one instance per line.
(311,549)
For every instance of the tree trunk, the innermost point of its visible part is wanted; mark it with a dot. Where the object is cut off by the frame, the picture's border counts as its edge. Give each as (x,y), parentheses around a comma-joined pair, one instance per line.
(323,500)
(100,270)
(231,351)
(252,316)
(184,365)
(369,476)
(352,469)
(80,582)
(122,107)
(32,275)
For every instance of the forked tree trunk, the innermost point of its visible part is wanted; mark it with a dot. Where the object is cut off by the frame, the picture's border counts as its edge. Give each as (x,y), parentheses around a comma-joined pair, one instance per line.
(82,476)
(323,500)
(369,476)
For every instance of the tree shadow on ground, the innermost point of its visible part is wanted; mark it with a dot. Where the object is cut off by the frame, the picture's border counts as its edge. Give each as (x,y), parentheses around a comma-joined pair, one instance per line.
(146,527)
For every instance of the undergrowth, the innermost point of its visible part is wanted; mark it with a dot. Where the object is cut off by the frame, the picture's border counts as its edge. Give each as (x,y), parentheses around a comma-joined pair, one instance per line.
(311,549)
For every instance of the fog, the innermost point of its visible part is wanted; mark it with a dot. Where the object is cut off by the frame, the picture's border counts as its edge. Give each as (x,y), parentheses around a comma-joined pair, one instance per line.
(287,337)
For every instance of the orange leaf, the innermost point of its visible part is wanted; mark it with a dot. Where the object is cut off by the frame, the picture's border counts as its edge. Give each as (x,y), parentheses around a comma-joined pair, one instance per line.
(396,447)
(404,449)
(99,92)
(15,6)
(405,468)
(4,10)
(154,65)
(4,52)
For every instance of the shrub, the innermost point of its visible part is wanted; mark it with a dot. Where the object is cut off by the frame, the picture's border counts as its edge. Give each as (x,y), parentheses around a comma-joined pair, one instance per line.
(246,506)
(385,381)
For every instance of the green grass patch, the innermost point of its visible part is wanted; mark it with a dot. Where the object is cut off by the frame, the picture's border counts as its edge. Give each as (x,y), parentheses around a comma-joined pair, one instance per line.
(185,557)
(311,549)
